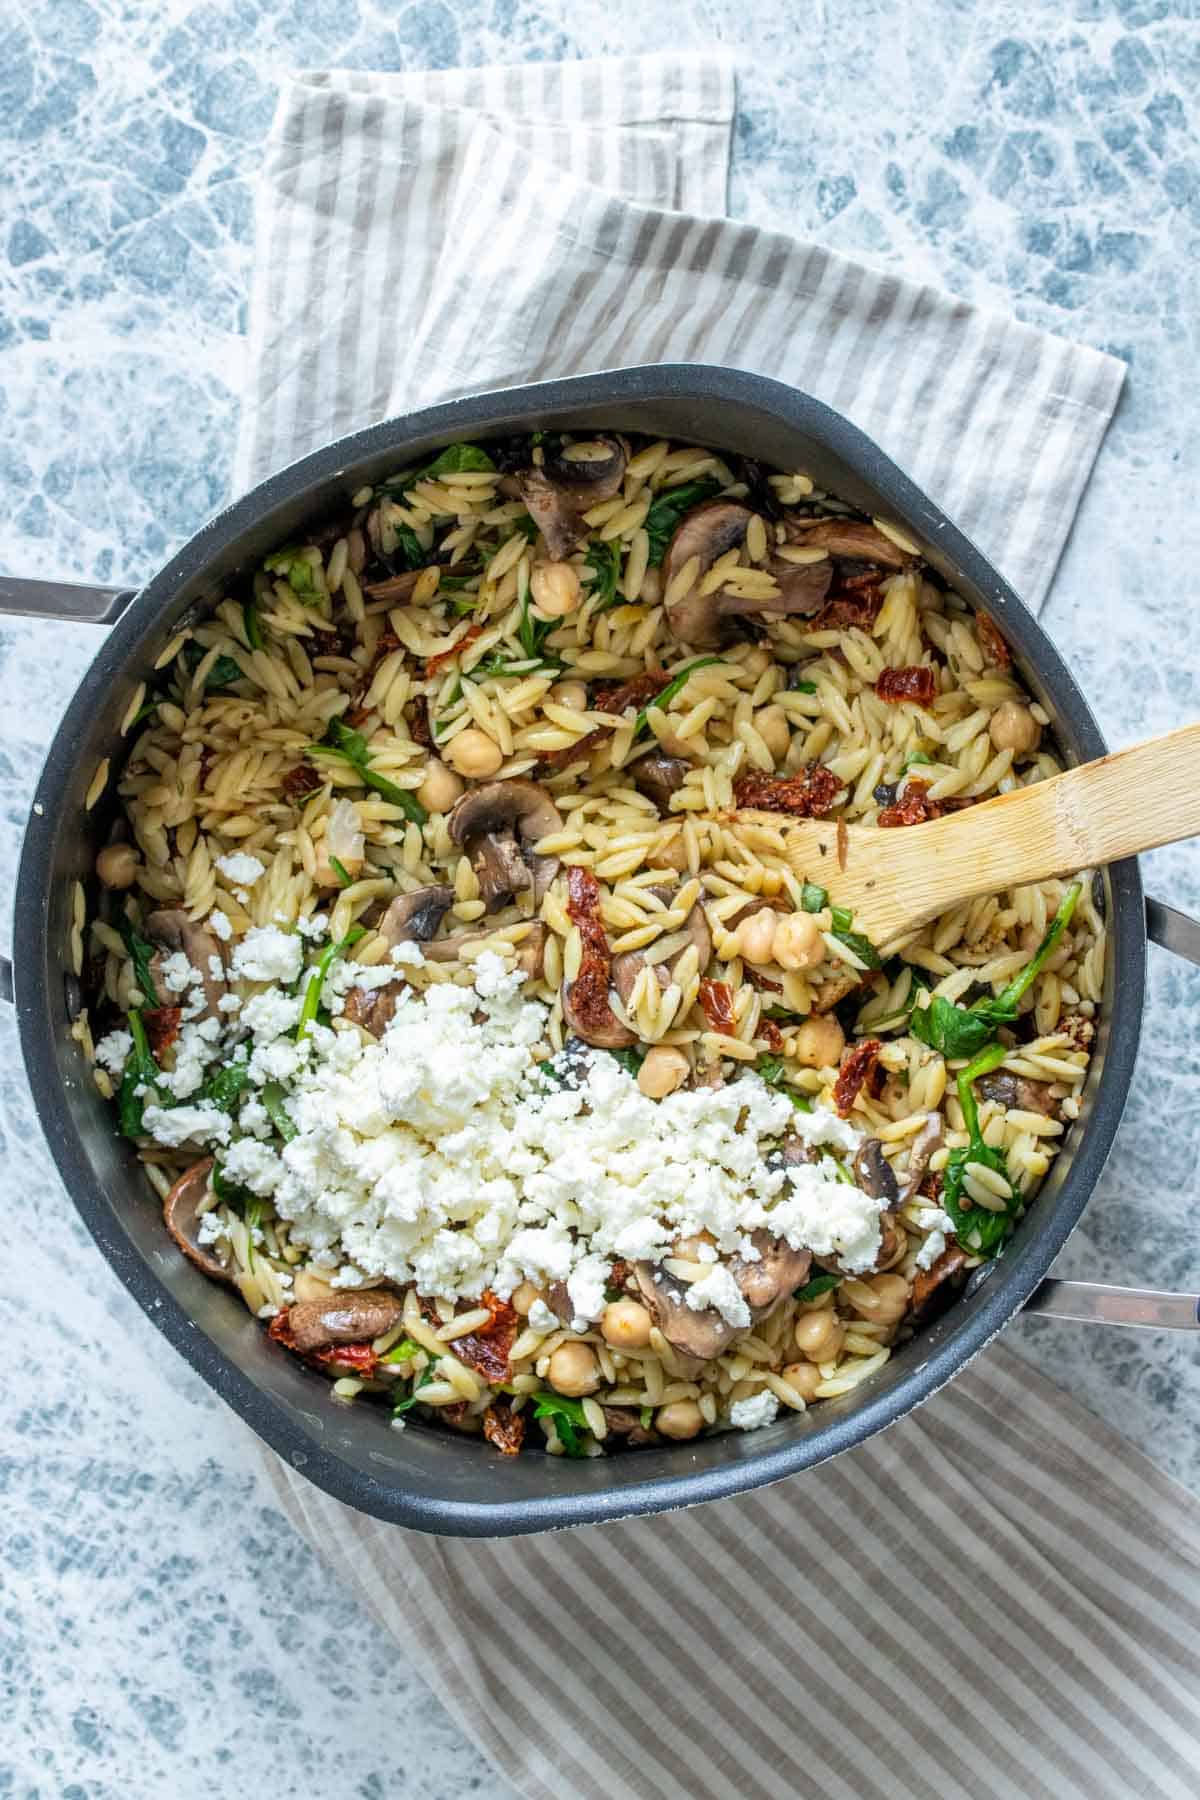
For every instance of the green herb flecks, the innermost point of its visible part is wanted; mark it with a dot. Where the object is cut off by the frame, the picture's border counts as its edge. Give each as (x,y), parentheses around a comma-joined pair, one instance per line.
(667,510)
(569,1420)
(918,756)
(803,687)
(604,560)
(820,1284)
(316,981)
(773,1070)
(345,879)
(646,1417)
(140,1070)
(964,1030)
(977,1228)
(813,899)
(297,569)
(273,1097)
(140,954)
(675,686)
(351,747)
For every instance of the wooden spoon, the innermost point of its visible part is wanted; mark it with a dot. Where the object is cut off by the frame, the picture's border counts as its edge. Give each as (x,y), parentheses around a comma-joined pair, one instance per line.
(895,881)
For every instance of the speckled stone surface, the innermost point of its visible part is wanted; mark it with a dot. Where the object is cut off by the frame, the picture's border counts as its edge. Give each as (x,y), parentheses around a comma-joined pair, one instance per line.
(161,1630)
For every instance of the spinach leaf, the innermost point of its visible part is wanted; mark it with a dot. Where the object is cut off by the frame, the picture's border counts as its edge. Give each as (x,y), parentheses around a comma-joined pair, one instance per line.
(568,1419)
(667,510)
(455,459)
(404,1352)
(423,1380)
(842,917)
(253,628)
(410,552)
(977,1228)
(813,899)
(803,687)
(630,1060)
(646,1417)
(773,1070)
(273,1098)
(820,1284)
(345,879)
(918,756)
(351,747)
(230,1082)
(140,954)
(294,568)
(862,947)
(140,1070)
(143,712)
(964,1030)
(532,633)
(675,686)
(223,673)
(316,981)
(604,560)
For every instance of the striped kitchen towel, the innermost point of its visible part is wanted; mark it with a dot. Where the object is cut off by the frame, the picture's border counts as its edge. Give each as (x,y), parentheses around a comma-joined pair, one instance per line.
(998,1597)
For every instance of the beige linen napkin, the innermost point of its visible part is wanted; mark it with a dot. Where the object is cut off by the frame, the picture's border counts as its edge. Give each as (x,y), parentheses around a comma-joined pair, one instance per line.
(998,1597)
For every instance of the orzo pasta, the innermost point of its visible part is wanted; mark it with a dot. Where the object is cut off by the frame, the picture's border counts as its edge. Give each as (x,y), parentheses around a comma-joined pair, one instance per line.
(452,977)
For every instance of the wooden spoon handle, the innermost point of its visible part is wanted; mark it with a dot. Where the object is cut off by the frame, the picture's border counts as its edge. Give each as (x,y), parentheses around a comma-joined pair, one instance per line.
(1096,813)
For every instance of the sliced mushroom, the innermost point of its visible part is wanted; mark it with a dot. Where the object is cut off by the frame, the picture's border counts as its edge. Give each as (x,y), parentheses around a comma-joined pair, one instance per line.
(629,964)
(396,587)
(496,824)
(927,1141)
(852,538)
(764,1282)
(530,957)
(349,1318)
(374,1008)
(875,1175)
(571,480)
(658,776)
(707,532)
(626,1422)
(173,930)
(415,917)
(926,1282)
(181,1216)
(597,1026)
(1017,1092)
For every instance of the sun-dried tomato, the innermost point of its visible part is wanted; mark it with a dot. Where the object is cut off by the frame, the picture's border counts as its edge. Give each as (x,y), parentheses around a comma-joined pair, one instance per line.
(487,1349)
(770,1033)
(281,1331)
(349,1359)
(857,1065)
(916,682)
(504,1428)
(589,990)
(995,650)
(301,780)
(914,807)
(327,643)
(551,761)
(434,663)
(856,600)
(716,1000)
(808,795)
(634,692)
(162,1027)
(416,717)
(931,1187)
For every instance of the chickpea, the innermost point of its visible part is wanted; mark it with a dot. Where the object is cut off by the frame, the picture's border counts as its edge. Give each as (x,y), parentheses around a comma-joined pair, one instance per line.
(117,866)
(756,935)
(574,1370)
(771,724)
(570,693)
(625,1325)
(1013,727)
(798,942)
(805,1377)
(819,1042)
(689,1249)
(663,1070)
(523,1297)
(474,754)
(820,1335)
(555,588)
(889,1298)
(681,1419)
(440,788)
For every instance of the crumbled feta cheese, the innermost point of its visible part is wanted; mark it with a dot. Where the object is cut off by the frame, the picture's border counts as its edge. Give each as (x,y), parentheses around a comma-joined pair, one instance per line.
(830,1217)
(175,1125)
(408,953)
(195,1049)
(315,927)
(112,1051)
(177,973)
(241,867)
(585,1287)
(268,954)
(939,1225)
(220,924)
(493,979)
(720,1291)
(542,1318)
(254,1165)
(758,1410)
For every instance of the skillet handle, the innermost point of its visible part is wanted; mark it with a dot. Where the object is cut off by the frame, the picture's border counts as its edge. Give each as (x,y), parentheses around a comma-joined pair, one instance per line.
(1095,1302)
(69,600)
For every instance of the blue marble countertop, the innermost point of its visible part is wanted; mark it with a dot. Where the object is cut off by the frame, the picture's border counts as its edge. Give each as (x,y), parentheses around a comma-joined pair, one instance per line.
(163,1631)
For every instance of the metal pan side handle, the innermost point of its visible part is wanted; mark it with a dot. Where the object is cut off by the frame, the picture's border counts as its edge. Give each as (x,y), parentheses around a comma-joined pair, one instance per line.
(68,600)
(1095,1302)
